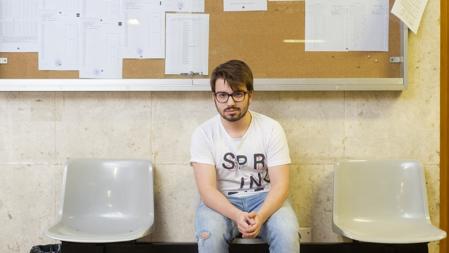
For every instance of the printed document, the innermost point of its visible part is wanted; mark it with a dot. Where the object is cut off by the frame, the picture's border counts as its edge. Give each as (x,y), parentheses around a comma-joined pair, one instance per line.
(245,5)
(410,12)
(184,5)
(19,25)
(66,8)
(101,49)
(102,10)
(59,37)
(144,29)
(187,44)
(347,25)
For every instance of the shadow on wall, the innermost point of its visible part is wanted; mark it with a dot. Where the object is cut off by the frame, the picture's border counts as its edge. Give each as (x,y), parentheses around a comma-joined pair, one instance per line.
(322,206)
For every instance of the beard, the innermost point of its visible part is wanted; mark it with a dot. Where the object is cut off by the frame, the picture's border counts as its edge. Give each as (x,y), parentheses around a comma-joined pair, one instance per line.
(236,115)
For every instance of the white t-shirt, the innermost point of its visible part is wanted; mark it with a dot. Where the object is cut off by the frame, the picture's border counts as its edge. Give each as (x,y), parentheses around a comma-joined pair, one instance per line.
(241,163)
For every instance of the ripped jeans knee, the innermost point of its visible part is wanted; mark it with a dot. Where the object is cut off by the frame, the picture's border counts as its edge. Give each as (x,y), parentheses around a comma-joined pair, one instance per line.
(204,235)
(212,231)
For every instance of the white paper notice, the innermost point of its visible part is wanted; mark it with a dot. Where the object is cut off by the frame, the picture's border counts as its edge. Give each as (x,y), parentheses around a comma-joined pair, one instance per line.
(144,29)
(347,25)
(102,10)
(187,44)
(245,5)
(410,12)
(101,50)
(184,5)
(59,37)
(66,8)
(19,25)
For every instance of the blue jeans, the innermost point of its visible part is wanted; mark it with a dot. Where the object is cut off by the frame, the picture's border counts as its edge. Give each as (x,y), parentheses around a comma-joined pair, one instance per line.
(214,231)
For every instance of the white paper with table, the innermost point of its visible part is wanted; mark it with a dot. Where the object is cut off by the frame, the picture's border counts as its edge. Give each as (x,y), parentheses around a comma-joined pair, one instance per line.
(347,25)
(19,21)
(187,44)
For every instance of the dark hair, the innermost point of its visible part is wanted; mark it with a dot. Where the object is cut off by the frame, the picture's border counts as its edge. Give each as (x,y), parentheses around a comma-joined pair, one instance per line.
(235,73)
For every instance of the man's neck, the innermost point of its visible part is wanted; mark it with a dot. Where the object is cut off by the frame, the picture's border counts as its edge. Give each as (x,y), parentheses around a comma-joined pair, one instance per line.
(237,129)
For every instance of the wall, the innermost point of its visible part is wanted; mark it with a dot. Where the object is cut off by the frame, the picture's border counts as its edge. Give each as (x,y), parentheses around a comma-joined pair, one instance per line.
(40,130)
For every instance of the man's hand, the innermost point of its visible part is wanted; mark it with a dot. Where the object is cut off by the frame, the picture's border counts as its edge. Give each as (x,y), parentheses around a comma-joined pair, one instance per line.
(255,227)
(278,193)
(244,222)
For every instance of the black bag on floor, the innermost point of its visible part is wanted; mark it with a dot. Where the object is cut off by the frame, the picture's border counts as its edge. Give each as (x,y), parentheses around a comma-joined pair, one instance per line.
(50,248)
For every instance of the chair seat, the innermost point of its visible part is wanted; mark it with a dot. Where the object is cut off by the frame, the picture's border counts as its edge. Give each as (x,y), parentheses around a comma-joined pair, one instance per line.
(393,231)
(382,201)
(105,201)
(100,230)
(71,234)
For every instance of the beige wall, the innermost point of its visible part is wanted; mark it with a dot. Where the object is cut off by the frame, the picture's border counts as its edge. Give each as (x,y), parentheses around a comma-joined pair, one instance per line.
(40,130)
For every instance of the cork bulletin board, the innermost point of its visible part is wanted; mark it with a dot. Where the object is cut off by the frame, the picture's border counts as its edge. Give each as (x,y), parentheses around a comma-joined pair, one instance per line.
(258,38)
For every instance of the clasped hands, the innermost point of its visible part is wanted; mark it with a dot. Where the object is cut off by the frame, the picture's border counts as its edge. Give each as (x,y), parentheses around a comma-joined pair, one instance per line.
(249,224)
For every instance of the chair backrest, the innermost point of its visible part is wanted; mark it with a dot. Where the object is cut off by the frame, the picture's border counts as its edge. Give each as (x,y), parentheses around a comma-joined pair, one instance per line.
(379,190)
(96,188)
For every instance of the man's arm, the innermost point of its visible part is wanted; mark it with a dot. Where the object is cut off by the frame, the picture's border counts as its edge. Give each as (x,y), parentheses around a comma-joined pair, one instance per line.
(206,181)
(279,179)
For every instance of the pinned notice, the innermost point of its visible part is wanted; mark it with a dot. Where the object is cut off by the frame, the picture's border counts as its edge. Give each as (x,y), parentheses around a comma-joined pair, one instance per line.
(347,25)
(187,44)
(19,25)
(410,12)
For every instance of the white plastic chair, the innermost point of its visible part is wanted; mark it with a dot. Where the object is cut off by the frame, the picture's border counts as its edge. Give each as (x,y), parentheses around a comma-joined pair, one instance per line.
(382,201)
(105,201)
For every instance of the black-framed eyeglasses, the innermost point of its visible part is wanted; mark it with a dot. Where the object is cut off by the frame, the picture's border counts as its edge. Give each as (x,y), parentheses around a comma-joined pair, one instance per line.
(223,97)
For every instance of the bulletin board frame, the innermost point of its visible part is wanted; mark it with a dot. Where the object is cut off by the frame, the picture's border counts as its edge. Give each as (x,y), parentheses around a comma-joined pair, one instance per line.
(195,83)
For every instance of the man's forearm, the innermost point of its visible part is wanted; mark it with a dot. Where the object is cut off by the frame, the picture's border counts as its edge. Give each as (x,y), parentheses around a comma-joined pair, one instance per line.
(274,200)
(216,200)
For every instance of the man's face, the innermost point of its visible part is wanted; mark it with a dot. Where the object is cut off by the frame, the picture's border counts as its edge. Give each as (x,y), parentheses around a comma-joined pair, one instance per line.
(231,110)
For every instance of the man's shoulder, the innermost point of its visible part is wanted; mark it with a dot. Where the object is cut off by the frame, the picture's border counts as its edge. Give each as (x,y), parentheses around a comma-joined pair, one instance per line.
(264,119)
(211,122)
(208,125)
